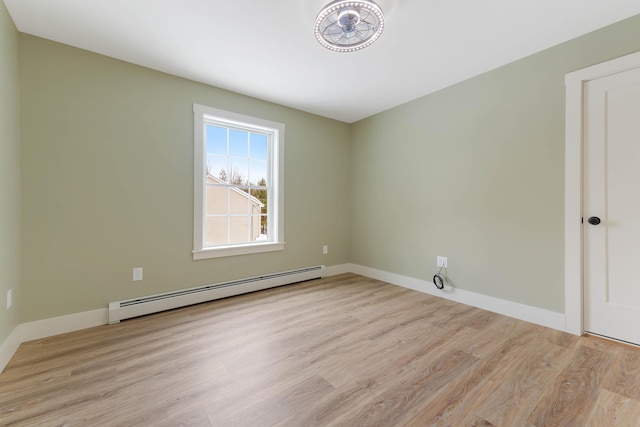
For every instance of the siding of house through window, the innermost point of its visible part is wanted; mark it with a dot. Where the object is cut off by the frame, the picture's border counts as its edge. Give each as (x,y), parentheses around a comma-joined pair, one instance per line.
(233,215)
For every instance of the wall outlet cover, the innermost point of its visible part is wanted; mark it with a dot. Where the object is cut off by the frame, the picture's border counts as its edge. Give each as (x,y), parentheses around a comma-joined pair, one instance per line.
(137,274)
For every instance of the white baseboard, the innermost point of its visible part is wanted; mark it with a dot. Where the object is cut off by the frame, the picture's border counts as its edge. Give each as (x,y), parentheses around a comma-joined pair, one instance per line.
(73,322)
(63,324)
(536,315)
(9,347)
(49,327)
(334,270)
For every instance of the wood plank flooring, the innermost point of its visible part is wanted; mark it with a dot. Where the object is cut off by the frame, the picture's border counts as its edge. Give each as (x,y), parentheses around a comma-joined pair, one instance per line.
(341,351)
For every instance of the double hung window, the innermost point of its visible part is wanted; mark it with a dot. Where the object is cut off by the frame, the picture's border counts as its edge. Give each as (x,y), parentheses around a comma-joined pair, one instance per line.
(238,184)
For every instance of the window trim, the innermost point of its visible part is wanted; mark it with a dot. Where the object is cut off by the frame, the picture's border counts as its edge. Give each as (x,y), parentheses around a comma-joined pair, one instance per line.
(200,114)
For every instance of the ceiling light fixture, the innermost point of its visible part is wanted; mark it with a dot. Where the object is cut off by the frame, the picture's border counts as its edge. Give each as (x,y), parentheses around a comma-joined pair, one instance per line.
(349,25)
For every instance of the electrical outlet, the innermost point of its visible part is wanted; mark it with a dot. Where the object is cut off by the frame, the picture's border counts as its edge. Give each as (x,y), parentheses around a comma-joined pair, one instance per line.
(9,299)
(137,274)
(325,249)
(441,261)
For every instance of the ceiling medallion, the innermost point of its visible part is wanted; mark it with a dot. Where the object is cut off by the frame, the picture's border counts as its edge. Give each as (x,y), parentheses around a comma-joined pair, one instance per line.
(347,25)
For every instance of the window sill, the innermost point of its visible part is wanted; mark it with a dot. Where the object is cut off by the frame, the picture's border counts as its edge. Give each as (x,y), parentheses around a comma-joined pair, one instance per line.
(226,251)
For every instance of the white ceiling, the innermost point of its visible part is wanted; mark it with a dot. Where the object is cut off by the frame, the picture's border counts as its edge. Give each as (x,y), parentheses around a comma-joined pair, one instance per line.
(266,48)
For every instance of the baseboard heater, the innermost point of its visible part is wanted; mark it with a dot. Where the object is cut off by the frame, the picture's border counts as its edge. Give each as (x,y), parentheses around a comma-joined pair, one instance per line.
(121,310)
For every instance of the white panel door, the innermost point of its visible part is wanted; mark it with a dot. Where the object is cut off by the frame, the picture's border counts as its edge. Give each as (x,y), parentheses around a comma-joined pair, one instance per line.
(612,194)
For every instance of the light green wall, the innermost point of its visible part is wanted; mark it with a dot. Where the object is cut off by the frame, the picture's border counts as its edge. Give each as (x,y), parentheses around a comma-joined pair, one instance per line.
(107,176)
(9,174)
(475,172)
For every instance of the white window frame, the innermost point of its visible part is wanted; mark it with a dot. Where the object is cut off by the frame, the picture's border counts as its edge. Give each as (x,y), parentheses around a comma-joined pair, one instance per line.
(201,116)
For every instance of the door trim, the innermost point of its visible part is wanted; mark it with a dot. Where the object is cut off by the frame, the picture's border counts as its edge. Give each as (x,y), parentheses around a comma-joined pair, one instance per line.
(573,254)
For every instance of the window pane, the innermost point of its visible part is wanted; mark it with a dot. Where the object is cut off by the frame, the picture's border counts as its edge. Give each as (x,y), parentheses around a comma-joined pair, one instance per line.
(258,172)
(238,143)
(263,227)
(255,228)
(239,202)
(217,167)
(239,171)
(216,139)
(216,200)
(258,146)
(216,230)
(241,229)
(262,196)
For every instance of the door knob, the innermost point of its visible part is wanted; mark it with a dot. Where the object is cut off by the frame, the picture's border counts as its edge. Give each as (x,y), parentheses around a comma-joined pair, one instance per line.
(594,220)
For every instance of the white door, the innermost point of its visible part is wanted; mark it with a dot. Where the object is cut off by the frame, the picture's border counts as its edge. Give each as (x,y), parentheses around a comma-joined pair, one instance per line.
(612,195)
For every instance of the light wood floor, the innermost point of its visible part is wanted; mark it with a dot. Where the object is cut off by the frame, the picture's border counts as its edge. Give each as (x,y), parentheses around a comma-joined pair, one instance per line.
(343,351)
